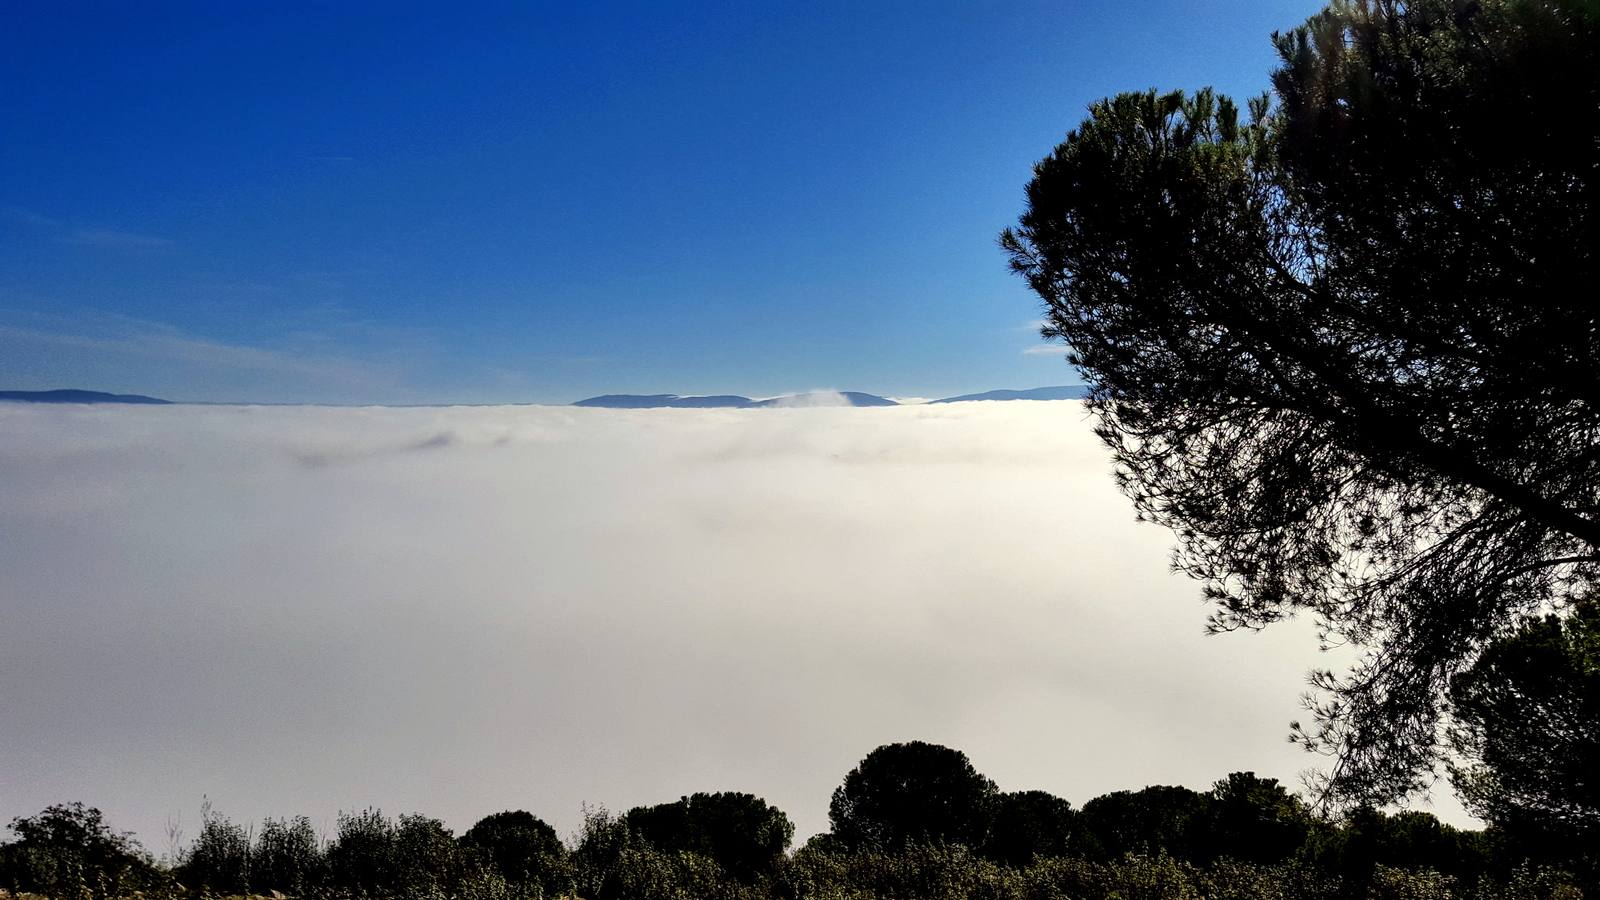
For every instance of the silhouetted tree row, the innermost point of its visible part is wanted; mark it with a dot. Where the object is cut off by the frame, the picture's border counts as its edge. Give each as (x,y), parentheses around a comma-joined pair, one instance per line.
(911,820)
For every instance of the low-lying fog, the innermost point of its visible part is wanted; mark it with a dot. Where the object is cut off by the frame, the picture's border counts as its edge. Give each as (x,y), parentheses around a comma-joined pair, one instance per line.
(462,610)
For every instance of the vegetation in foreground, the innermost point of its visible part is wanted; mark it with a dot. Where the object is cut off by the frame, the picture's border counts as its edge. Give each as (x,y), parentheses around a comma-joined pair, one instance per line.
(913,820)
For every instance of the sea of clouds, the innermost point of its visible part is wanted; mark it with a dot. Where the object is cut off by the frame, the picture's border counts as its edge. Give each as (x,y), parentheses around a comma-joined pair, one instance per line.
(467,609)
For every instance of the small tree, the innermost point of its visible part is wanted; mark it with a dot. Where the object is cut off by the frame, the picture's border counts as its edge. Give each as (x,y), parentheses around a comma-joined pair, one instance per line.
(1527,728)
(219,858)
(1367,841)
(287,856)
(362,855)
(428,861)
(523,849)
(597,850)
(1155,820)
(1527,718)
(913,793)
(1254,820)
(1029,825)
(67,850)
(740,832)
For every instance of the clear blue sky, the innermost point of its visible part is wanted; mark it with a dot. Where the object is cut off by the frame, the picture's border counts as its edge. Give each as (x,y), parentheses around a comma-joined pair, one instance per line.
(539,202)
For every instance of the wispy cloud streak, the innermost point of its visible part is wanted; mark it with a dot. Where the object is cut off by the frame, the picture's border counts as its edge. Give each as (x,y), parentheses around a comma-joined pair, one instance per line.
(160,342)
(84,236)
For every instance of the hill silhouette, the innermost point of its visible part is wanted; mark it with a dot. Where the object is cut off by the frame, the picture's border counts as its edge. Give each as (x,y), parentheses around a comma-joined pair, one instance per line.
(77,396)
(814,398)
(827,398)
(1059,392)
(732,401)
(670,401)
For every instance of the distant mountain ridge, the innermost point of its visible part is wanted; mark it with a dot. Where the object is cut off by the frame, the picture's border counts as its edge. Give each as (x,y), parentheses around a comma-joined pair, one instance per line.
(77,396)
(851,398)
(1058,392)
(733,401)
(666,401)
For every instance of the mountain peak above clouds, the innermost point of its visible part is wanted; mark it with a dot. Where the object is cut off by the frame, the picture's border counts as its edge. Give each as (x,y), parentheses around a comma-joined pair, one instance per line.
(813,398)
(1058,392)
(77,396)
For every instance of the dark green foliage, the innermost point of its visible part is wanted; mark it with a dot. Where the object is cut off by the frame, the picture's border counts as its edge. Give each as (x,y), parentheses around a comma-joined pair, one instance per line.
(1254,820)
(68,850)
(740,832)
(1229,879)
(1154,820)
(523,850)
(1031,824)
(1527,723)
(1344,346)
(413,856)
(913,793)
(645,873)
(1192,846)
(1528,715)
(219,859)
(1368,841)
(427,858)
(605,837)
(361,857)
(287,856)
(918,871)
(612,863)
(955,873)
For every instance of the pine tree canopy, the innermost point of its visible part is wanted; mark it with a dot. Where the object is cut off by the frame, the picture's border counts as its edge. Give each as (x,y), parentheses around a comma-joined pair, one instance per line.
(1344,344)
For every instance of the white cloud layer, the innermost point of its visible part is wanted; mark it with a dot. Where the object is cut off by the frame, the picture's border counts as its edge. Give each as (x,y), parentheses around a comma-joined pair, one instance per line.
(462,610)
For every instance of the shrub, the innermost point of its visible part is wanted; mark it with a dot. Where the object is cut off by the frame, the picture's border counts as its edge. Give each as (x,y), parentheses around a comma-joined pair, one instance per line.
(219,858)
(921,872)
(645,873)
(361,858)
(600,845)
(427,860)
(1130,878)
(287,856)
(1399,884)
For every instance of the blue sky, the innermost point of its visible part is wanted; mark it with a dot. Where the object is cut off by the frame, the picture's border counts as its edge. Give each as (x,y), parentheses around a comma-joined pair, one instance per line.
(529,203)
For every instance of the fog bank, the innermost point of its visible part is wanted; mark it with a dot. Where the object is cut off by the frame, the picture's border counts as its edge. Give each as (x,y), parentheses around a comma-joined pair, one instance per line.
(463,610)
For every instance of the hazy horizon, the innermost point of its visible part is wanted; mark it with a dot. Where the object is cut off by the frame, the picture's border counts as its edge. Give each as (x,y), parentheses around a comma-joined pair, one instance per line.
(904,400)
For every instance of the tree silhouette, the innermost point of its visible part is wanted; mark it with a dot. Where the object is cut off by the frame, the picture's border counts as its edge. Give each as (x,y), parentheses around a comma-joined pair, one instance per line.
(1367,839)
(287,856)
(1527,722)
(220,857)
(912,793)
(1031,824)
(1344,345)
(68,848)
(1254,820)
(1158,818)
(741,832)
(523,848)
